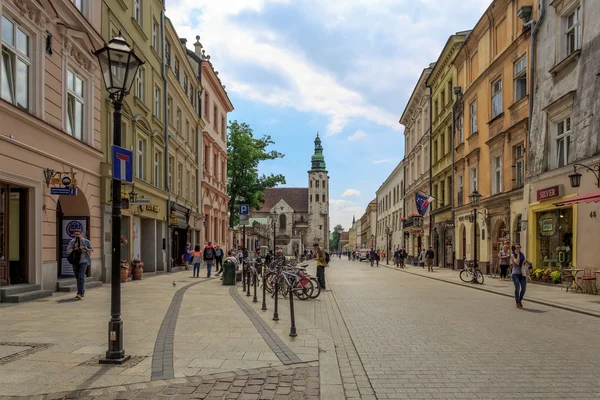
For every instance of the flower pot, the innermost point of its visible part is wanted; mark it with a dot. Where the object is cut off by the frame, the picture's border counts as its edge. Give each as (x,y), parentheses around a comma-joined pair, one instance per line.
(124,274)
(137,272)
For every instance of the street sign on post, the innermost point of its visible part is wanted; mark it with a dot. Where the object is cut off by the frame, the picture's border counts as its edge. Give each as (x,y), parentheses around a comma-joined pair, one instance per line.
(244,219)
(244,209)
(122,164)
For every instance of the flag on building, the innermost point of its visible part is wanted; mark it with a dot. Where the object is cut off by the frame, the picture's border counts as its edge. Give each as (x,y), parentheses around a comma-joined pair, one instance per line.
(422,203)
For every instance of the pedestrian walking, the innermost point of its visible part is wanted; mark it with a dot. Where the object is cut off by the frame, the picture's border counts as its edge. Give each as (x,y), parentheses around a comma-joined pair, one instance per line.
(196,261)
(372,256)
(209,257)
(504,257)
(78,254)
(219,260)
(187,255)
(519,274)
(377,257)
(321,264)
(429,256)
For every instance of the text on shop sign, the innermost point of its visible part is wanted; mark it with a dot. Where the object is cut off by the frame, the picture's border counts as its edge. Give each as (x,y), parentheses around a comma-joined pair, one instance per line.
(548,193)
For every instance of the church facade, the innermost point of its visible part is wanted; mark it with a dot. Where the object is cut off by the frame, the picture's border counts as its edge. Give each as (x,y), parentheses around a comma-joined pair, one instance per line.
(299,217)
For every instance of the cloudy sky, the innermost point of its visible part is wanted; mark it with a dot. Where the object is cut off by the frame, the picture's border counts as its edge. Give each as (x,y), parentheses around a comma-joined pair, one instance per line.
(343,68)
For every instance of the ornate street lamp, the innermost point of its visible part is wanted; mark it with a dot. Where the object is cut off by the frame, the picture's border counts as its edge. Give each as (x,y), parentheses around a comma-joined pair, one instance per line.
(474,199)
(119,65)
(575,177)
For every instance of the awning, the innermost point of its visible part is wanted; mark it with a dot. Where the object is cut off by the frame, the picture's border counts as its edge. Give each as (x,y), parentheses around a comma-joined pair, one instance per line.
(583,198)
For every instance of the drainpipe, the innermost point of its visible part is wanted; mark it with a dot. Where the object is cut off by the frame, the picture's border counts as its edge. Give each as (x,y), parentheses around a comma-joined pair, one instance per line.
(457,93)
(430,160)
(166,105)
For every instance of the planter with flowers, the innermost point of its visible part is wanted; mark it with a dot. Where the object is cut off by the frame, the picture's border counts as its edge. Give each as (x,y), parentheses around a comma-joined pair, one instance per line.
(137,269)
(124,270)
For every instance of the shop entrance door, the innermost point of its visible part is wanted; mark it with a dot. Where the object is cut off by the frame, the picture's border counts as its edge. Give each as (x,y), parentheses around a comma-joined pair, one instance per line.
(13,235)
(4,236)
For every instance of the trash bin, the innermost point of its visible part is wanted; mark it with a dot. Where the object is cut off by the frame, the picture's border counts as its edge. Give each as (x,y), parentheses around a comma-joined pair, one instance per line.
(228,272)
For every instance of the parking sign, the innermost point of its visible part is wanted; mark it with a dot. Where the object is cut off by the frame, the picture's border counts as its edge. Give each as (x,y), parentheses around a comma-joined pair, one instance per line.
(244,209)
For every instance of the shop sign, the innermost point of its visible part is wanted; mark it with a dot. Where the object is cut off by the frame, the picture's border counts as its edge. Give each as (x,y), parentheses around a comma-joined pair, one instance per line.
(548,193)
(174,219)
(152,207)
(66,181)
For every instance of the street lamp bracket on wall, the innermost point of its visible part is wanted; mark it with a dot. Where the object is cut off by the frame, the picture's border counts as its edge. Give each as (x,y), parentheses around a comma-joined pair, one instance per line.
(575,177)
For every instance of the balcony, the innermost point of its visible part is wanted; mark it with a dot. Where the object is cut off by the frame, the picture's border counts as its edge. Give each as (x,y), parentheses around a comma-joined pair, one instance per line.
(413,223)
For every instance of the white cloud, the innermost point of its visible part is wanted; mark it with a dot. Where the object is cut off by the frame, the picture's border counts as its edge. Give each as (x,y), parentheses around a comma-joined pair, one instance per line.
(358,135)
(350,193)
(382,161)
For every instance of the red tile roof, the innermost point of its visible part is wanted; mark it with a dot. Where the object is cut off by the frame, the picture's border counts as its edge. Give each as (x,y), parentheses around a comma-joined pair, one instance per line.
(297,198)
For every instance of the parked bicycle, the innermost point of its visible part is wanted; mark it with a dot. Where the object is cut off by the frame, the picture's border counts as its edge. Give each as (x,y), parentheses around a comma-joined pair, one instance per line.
(304,286)
(471,274)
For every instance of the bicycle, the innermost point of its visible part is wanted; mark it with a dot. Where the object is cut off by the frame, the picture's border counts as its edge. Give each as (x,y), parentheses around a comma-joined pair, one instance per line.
(291,276)
(471,274)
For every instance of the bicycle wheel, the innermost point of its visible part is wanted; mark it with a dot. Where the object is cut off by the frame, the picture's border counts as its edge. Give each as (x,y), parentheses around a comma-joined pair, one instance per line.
(304,289)
(466,275)
(478,276)
(316,288)
(270,281)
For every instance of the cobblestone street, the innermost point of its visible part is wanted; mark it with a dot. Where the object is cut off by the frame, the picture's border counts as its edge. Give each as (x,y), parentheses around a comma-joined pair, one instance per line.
(377,333)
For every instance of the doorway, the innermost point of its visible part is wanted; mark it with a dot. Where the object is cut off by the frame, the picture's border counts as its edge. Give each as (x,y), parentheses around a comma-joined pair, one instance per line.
(179,242)
(14,266)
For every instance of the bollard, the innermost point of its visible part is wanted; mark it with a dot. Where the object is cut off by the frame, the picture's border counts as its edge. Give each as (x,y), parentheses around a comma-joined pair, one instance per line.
(243,277)
(293,320)
(248,282)
(254,300)
(264,304)
(275,313)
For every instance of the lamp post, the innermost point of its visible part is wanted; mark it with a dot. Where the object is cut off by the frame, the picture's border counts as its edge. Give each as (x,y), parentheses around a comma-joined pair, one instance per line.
(119,65)
(474,200)
(387,245)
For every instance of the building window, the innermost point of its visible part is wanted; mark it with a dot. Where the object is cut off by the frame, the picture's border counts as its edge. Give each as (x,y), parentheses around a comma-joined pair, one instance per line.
(75,105)
(139,84)
(442,194)
(78,4)
(324,184)
(155,35)
(520,165)
(573,31)
(459,196)
(435,155)
(179,178)
(436,108)
(316,198)
(194,188)
(223,128)
(177,68)
(171,167)
(170,109)
(156,102)
(188,132)
(496,98)
(216,167)
(520,78)
(185,84)
(178,121)
(206,159)
(215,111)
(324,199)
(461,130)
(563,142)
(473,108)
(137,11)
(450,91)
(443,96)
(15,64)
(310,198)
(187,183)
(141,149)
(282,222)
(473,179)
(496,175)
(206,99)
(156,169)
(317,183)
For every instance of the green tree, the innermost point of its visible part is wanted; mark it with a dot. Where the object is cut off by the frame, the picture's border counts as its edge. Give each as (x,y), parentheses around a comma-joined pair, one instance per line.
(335,240)
(244,154)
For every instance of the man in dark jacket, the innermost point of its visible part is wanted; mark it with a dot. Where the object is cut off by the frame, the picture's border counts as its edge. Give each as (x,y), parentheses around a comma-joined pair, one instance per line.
(429,256)
(219,260)
(208,256)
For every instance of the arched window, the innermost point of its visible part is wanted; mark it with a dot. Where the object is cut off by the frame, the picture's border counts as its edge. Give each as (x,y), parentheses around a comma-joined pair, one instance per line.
(323,198)
(282,222)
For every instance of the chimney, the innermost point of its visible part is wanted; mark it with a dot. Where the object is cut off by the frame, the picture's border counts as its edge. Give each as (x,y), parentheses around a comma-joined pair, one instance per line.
(198,47)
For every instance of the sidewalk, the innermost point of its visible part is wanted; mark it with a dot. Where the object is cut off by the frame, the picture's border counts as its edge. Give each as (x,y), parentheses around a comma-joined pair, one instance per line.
(552,296)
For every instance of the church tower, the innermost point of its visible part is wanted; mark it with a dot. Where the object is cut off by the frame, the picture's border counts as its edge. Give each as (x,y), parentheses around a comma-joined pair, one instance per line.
(318,199)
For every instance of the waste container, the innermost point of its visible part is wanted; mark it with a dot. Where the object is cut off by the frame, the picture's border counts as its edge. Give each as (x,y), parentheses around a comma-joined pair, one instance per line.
(228,272)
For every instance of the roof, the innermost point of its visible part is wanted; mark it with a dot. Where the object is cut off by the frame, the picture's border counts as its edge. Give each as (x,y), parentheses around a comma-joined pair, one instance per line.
(297,198)
(345,235)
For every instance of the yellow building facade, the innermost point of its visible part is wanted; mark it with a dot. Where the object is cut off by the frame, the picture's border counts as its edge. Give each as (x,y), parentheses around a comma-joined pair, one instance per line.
(442,81)
(491,119)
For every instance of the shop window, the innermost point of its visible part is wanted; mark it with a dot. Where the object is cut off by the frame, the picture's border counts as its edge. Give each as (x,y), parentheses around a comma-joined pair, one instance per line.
(555,238)
(16,64)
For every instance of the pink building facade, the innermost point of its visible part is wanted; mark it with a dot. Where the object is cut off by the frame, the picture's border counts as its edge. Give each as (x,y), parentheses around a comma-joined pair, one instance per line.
(50,129)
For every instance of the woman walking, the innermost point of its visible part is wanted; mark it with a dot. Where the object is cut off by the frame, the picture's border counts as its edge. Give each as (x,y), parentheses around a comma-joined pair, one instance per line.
(519,279)
(196,260)
(504,257)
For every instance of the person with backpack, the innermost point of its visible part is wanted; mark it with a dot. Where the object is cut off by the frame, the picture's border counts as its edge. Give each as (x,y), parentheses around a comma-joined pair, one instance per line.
(196,261)
(219,260)
(78,255)
(209,257)
(321,258)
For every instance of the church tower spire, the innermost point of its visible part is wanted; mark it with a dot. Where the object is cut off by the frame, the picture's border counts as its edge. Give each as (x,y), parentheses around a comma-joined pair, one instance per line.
(318,159)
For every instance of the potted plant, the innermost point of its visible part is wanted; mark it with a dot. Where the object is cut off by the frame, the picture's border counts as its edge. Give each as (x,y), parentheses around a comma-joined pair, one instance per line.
(123,240)
(555,276)
(124,270)
(137,269)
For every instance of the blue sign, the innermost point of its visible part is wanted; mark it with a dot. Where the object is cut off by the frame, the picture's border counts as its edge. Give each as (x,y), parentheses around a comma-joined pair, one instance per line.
(67,191)
(244,209)
(122,164)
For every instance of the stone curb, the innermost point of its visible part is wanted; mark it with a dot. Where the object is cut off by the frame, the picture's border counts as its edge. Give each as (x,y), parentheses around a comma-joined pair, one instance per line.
(484,289)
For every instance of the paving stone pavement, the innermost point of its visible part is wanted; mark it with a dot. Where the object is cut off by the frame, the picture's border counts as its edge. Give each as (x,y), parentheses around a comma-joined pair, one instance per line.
(420,338)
